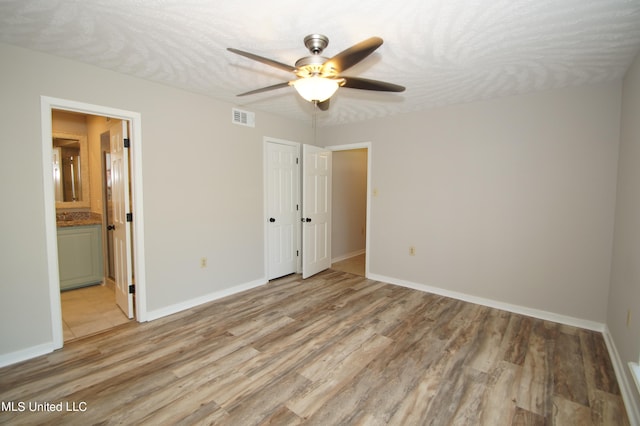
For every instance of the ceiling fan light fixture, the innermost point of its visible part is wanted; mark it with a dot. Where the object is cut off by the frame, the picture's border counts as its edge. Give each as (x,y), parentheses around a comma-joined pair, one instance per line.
(318,77)
(316,88)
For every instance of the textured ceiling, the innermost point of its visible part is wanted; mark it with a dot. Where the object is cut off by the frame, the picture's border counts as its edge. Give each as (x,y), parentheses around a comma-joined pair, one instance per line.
(443,51)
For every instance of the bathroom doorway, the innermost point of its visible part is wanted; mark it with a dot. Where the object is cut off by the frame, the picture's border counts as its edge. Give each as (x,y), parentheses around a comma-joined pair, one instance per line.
(91,304)
(85,230)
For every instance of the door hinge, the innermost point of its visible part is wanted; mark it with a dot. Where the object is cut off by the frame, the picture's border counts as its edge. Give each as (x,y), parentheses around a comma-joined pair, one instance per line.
(132,289)
(297,207)
(297,252)
(129,217)
(296,160)
(127,143)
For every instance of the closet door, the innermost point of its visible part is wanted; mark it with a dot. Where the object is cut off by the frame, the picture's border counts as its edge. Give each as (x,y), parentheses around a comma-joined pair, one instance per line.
(282,209)
(316,210)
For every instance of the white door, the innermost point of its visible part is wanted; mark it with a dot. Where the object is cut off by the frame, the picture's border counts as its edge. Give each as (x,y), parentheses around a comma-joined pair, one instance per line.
(316,210)
(122,231)
(282,209)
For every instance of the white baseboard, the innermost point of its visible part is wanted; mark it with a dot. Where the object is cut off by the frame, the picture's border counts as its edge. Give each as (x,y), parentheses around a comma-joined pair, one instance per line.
(25,354)
(517,309)
(626,389)
(348,255)
(188,304)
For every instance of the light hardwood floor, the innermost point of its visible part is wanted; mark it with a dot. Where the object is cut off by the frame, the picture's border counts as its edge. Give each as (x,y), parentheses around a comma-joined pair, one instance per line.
(333,349)
(353,265)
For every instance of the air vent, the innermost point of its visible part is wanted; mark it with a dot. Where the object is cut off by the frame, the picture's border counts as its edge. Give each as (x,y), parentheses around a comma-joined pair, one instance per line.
(244,118)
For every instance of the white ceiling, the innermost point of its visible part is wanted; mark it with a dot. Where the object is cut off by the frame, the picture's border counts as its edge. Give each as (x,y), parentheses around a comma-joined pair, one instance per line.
(443,51)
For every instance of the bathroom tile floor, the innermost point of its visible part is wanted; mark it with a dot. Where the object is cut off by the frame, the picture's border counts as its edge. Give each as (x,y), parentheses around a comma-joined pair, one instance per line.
(353,265)
(89,310)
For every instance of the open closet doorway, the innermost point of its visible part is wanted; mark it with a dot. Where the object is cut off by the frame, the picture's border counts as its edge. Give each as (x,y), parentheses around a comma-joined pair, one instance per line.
(350,208)
(93,247)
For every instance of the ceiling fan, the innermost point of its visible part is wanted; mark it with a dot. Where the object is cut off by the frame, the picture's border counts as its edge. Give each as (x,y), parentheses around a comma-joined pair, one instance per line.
(319,77)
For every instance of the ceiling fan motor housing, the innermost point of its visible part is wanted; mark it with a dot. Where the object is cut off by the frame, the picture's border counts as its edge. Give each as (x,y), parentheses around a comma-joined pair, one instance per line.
(316,43)
(310,66)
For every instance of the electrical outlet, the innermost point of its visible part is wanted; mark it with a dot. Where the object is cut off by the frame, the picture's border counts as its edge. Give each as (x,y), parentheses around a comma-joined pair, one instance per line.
(412,251)
(203,262)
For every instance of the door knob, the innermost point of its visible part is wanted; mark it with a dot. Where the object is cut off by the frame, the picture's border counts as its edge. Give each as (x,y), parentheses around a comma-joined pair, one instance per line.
(111,227)
(308,220)
(271,219)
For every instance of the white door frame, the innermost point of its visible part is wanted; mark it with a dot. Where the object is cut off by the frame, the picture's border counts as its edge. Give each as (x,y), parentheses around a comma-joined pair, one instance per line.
(265,159)
(46,105)
(367,146)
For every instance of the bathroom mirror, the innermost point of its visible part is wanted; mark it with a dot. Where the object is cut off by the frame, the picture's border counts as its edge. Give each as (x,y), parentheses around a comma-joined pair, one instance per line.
(70,170)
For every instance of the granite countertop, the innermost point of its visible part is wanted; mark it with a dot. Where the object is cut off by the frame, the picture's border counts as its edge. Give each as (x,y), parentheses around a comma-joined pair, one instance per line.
(78,219)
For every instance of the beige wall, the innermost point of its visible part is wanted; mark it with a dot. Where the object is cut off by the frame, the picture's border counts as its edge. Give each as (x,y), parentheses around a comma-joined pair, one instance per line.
(624,294)
(349,202)
(202,188)
(510,200)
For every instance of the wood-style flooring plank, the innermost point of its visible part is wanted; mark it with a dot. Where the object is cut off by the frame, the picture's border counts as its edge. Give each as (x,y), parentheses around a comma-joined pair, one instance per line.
(607,409)
(500,398)
(516,339)
(567,412)
(333,349)
(527,418)
(568,370)
(598,368)
(322,389)
(491,335)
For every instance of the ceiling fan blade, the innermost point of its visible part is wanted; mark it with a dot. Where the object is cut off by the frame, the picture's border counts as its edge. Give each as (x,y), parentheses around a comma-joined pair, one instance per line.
(324,105)
(366,84)
(351,56)
(267,61)
(265,89)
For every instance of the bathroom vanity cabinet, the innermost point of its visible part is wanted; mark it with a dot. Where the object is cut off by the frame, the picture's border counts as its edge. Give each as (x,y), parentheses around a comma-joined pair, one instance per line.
(80,256)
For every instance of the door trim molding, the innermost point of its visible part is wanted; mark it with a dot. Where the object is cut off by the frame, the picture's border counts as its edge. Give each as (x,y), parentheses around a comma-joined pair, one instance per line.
(46,105)
(368,147)
(265,208)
